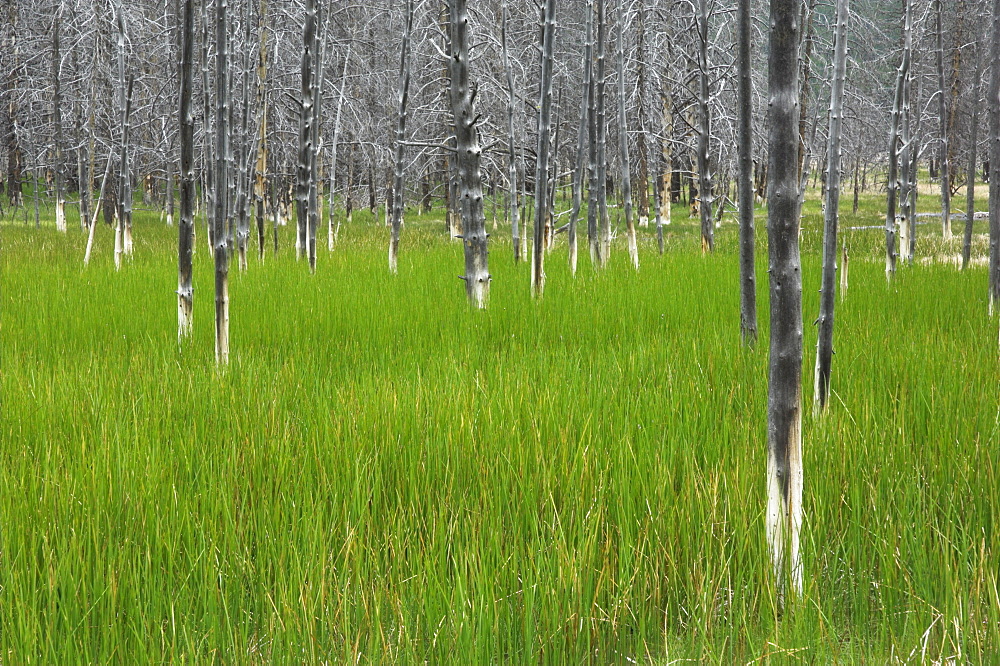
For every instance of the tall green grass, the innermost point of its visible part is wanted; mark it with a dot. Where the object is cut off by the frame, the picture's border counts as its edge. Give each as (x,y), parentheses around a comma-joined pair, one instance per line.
(383,475)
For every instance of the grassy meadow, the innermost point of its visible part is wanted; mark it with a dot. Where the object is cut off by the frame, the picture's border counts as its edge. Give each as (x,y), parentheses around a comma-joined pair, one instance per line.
(382,475)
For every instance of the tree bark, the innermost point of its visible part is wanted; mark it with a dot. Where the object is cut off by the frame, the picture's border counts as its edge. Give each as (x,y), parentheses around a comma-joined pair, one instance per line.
(824,346)
(994,269)
(970,193)
(402,92)
(467,158)
(784,404)
(748,270)
(642,186)
(185,224)
(892,179)
(582,136)
(57,168)
(304,168)
(221,197)
(604,221)
(548,29)
(593,154)
(705,198)
(943,111)
(260,181)
(633,249)
(512,170)
(332,230)
(8,108)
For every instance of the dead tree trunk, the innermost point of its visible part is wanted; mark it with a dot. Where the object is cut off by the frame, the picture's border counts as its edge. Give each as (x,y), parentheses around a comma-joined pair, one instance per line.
(892,179)
(581,138)
(548,26)
(704,128)
(642,186)
(748,270)
(943,111)
(593,154)
(467,158)
(221,198)
(185,224)
(332,229)
(970,195)
(784,403)
(403,91)
(633,249)
(511,139)
(906,219)
(604,221)
(260,181)
(994,270)
(8,109)
(313,207)
(57,168)
(824,346)
(303,170)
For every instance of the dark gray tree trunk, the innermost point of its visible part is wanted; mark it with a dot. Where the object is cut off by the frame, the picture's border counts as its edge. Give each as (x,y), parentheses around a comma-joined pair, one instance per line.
(512,170)
(824,346)
(304,168)
(332,229)
(314,209)
(467,158)
(221,198)
(593,154)
(748,270)
(892,179)
(582,135)
(57,169)
(784,402)
(402,92)
(548,25)
(943,118)
(994,270)
(185,224)
(604,221)
(8,107)
(970,193)
(260,181)
(705,197)
(633,249)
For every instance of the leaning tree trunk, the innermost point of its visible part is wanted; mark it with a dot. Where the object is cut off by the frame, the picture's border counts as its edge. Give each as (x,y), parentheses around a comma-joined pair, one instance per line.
(403,91)
(57,169)
(784,402)
(892,179)
(331,228)
(221,198)
(705,198)
(943,118)
(467,158)
(994,270)
(542,151)
(511,142)
(185,225)
(970,195)
(824,346)
(748,271)
(581,137)
(304,171)
(633,249)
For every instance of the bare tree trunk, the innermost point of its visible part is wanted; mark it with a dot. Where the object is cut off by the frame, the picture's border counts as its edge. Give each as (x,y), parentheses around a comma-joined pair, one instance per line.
(784,403)
(994,270)
(207,157)
(548,29)
(604,221)
(824,346)
(314,208)
(403,91)
(581,138)
(185,224)
(705,197)
(304,170)
(512,170)
(8,109)
(221,197)
(943,110)
(912,189)
(467,157)
(260,182)
(906,221)
(970,194)
(642,187)
(748,270)
(593,154)
(57,169)
(81,174)
(633,249)
(892,179)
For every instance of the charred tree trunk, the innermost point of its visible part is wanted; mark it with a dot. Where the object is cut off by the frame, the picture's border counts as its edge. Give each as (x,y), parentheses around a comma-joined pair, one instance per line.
(260,180)
(970,194)
(784,403)
(705,198)
(332,230)
(403,91)
(892,179)
(748,270)
(221,198)
(581,138)
(8,107)
(633,249)
(642,186)
(994,270)
(593,154)
(824,346)
(57,168)
(467,158)
(314,208)
(548,25)
(304,168)
(604,221)
(185,224)
(943,111)
(512,170)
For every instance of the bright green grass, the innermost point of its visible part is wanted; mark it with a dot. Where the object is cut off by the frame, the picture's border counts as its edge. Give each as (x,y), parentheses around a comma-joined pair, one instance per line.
(383,475)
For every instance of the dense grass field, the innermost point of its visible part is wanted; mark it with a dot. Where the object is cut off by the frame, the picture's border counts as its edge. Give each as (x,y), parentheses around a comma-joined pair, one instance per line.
(382,475)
